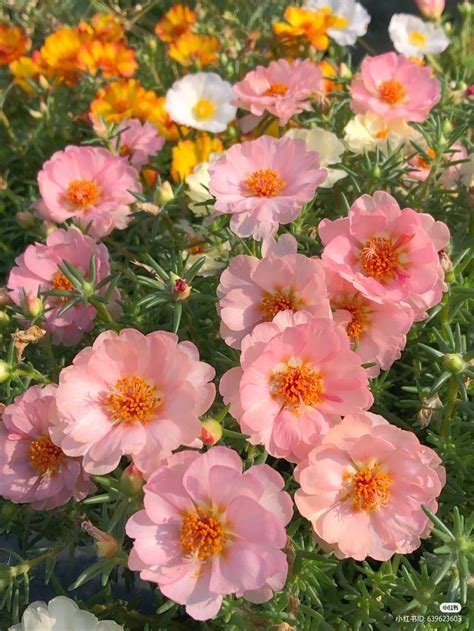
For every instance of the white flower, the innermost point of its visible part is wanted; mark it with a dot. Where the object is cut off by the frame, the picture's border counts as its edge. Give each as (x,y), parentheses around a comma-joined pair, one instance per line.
(61,614)
(353,20)
(366,131)
(329,147)
(202,101)
(198,183)
(413,37)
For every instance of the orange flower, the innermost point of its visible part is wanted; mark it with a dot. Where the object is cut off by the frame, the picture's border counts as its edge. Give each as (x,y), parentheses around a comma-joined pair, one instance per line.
(175,22)
(107,27)
(26,68)
(13,43)
(112,58)
(126,98)
(60,51)
(329,72)
(310,25)
(160,117)
(191,49)
(188,153)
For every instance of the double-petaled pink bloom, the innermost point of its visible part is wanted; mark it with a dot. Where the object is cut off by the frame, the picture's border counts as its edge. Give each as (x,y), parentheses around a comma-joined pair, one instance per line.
(131,394)
(137,141)
(364,488)
(209,530)
(33,470)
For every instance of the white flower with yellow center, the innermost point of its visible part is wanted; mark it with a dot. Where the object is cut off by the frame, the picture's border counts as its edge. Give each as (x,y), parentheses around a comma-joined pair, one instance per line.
(202,100)
(351,20)
(367,131)
(329,148)
(197,187)
(413,37)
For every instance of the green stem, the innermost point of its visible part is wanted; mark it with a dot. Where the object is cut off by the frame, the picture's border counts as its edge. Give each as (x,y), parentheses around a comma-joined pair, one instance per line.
(31,374)
(452,393)
(230,434)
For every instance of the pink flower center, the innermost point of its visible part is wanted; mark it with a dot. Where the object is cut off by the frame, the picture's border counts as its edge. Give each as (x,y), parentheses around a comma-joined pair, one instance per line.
(44,455)
(202,533)
(265,183)
(369,488)
(276,89)
(133,400)
(296,386)
(82,194)
(273,303)
(379,259)
(60,282)
(392,92)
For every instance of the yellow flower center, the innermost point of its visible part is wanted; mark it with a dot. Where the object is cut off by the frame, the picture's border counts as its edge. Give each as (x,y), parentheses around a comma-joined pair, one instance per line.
(276,89)
(392,92)
(204,109)
(44,455)
(82,194)
(60,282)
(417,39)
(265,183)
(337,22)
(296,385)
(379,259)
(133,400)
(382,134)
(202,533)
(273,303)
(360,316)
(369,488)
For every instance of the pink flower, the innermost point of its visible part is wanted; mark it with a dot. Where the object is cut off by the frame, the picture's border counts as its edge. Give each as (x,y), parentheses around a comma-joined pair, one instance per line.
(394,87)
(209,530)
(377,329)
(431,9)
(364,487)
(89,185)
(253,291)
(264,183)
(297,377)
(137,141)
(37,270)
(282,88)
(385,252)
(452,173)
(33,469)
(131,394)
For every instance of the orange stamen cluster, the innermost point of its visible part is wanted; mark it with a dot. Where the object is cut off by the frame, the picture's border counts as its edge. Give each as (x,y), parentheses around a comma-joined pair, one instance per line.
(296,386)
(276,89)
(369,488)
(82,194)
(358,308)
(202,533)
(44,455)
(133,400)
(273,303)
(379,259)
(60,282)
(265,183)
(392,92)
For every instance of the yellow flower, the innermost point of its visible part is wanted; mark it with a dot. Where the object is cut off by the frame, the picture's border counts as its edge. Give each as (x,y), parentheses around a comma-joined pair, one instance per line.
(188,153)
(112,58)
(126,98)
(175,22)
(60,51)
(160,117)
(25,68)
(305,24)
(329,73)
(107,27)
(13,43)
(191,49)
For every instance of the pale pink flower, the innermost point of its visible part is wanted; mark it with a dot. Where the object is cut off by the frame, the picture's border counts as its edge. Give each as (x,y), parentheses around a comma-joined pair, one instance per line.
(376,329)
(431,9)
(137,141)
(264,183)
(394,87)
(452,173)
(385,252)
(253,291)
(33,470)
(89,185)
(37,270)
(364,487)
(282,88)
(298,375)
(131,394)
(209,530)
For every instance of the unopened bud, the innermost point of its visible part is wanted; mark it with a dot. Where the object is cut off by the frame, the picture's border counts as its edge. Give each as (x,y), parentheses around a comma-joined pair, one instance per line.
(447,127)
(5,371)
(5,299)
(131,481)
(4,319)
(164,194)
(345,71)
(431,9)
(34,306)
(106,544)
(211,432)
(453,362)
(181,289)
(25,220)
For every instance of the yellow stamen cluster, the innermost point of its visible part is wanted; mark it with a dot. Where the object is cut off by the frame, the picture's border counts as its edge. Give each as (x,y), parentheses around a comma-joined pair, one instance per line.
(133,400)
(202,533)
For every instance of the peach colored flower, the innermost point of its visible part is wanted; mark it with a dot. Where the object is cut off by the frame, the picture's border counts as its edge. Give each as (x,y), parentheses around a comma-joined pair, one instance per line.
(253,291)
(364,487)
(209,530)
(297,377)
(131,394)
(264,183)
(33,469)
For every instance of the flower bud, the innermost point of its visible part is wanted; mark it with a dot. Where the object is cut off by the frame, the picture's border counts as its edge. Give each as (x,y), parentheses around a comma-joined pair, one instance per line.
(345,71)
(181,289)
(431,9)
(131,481)
(164,194)
(106,544)
(25,220)
(211,432)
(454,362)
(5,299)
(4,319)
(5,371)
(34,306)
